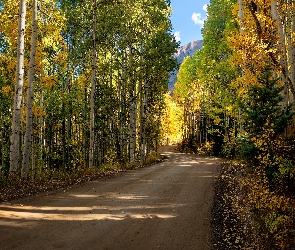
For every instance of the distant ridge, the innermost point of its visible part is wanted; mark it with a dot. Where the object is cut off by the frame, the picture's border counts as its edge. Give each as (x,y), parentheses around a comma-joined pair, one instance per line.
(182,52)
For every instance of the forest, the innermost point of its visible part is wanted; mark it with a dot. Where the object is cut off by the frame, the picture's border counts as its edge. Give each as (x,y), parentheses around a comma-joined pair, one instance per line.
(85,87)
(236,97)
(82,90)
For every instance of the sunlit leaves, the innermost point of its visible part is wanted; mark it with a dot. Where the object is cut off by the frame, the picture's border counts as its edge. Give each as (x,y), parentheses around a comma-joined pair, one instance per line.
(171,121)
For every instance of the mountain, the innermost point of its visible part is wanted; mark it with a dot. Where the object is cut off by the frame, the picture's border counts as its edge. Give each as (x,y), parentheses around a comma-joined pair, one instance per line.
(182,52)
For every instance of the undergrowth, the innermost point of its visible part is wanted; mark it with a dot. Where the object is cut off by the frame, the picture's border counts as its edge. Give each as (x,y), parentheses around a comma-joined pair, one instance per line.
(12,187)
(248,215)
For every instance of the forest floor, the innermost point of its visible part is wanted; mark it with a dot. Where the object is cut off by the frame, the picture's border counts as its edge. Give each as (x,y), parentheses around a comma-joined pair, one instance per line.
(162,206)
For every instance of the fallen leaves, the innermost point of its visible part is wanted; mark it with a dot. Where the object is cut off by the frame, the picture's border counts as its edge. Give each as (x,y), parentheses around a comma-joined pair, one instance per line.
(247,215)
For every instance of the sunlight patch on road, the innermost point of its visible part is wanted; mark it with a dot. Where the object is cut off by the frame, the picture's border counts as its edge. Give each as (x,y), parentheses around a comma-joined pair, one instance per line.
(16,223)
(30,216)
(84,195)
(12,218)
(132,197)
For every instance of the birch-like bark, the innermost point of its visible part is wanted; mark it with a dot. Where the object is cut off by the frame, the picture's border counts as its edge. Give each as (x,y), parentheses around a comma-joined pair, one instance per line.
(15,138)
(30,95)
(282,44)
(241,16)
(132,128)
(143,123)
(132,108)
(42,141)
(292,45)
(141,111)
(33,160)
(92,97)
(123,130)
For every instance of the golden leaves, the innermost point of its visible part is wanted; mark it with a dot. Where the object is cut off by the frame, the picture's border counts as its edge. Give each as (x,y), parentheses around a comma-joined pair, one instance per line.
(38,111)
(171,121)
(6,90)
(48,81)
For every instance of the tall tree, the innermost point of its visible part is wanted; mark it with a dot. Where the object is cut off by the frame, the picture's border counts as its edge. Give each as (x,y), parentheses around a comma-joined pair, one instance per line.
(15,137)
(30,95)
(93,81)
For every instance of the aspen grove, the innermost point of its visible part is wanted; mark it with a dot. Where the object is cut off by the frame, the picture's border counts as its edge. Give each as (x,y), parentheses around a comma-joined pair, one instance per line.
(237,94)
(82,83)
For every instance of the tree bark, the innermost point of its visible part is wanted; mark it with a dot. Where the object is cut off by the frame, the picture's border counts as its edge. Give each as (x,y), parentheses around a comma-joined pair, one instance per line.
(143,122)
(132,127)
(241,16)
(292,45)
(282,44)
(15,137)
(30,95)
(92,97)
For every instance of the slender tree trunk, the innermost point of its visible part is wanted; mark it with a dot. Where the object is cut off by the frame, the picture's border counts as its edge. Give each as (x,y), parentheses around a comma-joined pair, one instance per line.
(92,97)
(141,120)
(143,123)
(42,141)
(132,107)
(282,44)
(33,160)
(241,16)
(15,137)
(141,89)
(63,142)
(132,127)
(1,140)
(123,137)
(292,44)
(30,95)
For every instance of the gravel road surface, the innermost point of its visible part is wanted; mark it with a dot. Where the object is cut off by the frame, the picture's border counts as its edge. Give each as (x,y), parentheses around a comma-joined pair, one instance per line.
(163,206)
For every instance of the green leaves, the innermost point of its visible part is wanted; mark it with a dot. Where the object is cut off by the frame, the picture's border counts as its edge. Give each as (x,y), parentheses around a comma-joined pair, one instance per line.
(263,109)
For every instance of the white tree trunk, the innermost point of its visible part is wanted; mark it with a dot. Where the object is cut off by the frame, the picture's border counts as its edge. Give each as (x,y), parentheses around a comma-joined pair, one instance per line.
(292,47)
(15,141)
(30,94)
(241,16)
(143,123)
(42,141)
(93,80)
(132,128)
(133,99)
(282,44)
(123,136)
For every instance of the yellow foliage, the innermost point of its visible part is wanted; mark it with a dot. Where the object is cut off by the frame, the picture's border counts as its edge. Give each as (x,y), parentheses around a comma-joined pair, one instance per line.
(275,212)
(50,24)
(172,121)
(6,90)
(48,81)
(38,111)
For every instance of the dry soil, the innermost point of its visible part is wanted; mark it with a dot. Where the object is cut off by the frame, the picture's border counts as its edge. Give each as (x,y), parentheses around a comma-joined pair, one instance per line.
(162,206)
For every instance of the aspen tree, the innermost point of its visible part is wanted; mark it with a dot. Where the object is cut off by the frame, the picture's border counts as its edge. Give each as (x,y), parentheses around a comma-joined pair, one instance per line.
(282,40)
(92,95)
(291,42)
(15,137)
(30,95)
(241,15)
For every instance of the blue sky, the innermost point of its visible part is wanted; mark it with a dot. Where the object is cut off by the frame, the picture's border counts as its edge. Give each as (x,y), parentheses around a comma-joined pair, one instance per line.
(187,19)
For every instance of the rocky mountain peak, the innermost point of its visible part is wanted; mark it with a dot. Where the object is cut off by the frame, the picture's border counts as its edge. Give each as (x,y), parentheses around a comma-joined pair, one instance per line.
(182,52)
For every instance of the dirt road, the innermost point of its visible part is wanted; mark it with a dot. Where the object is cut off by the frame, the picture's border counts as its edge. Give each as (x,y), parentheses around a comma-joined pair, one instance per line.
(163,206)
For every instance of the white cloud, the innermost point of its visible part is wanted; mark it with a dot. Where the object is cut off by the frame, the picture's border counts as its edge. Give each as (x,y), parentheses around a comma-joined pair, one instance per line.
(205,7)
(177,36)
(197,18)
